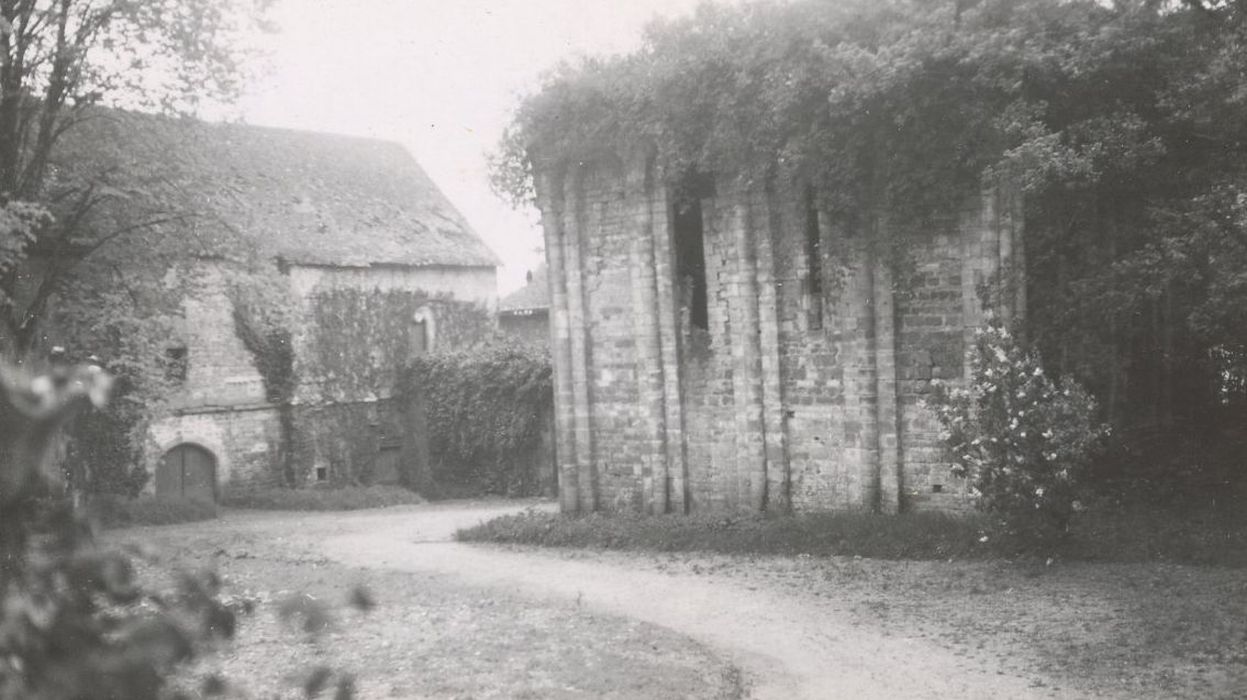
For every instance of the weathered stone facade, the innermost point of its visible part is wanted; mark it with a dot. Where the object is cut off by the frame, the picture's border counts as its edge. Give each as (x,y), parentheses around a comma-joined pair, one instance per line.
(379,267)
(797,385)
(355,329)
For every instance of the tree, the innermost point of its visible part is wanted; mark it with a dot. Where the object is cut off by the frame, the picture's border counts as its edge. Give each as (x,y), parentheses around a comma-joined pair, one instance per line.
(59,61)
(91,223)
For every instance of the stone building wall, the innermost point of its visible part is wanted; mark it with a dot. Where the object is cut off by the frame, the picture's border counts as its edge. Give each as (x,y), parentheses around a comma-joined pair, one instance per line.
(221,405)
(243,441)
(355,328)
(787,398)
(531,327)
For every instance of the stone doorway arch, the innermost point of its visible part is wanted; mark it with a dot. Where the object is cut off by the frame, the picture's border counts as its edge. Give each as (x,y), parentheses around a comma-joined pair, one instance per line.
(187,471)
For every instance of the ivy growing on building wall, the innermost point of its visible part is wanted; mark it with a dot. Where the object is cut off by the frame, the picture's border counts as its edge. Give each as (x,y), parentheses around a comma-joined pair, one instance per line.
(360,339)
(486,409)
(263,320)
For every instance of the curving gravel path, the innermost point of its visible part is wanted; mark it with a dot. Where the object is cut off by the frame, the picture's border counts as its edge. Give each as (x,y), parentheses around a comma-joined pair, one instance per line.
(789,646)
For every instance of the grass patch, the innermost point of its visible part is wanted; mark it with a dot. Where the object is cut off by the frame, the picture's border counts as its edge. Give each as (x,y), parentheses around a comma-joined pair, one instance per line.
(345,498)
(1115,537)
(909,536)
(119,511)
(1216,537)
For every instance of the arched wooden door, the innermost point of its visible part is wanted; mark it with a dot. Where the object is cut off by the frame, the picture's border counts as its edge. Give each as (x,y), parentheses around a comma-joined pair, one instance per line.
(187,471)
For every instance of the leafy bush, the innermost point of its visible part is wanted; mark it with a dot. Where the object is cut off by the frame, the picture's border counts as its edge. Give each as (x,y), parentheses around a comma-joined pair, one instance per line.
(103,454)
(74,621)
(112,511)
(485,409)
(1021,440)
(345,498)
(852,533)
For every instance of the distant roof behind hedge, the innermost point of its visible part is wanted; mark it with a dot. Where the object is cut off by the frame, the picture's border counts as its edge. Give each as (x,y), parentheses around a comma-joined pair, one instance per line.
(532,296)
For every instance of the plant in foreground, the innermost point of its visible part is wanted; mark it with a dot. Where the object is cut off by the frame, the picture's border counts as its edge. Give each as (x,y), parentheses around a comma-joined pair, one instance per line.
(1020,438)
(74,620)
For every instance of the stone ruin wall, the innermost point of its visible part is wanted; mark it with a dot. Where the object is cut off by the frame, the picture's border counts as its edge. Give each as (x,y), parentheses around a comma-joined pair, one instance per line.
(763,410)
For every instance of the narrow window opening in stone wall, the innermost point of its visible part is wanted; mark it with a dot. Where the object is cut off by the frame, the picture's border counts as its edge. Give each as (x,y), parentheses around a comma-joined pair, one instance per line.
(322,474)
(813,261)
(690,260)
(177,365)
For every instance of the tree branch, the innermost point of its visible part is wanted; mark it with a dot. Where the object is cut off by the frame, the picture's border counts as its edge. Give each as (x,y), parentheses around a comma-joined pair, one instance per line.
(25,328)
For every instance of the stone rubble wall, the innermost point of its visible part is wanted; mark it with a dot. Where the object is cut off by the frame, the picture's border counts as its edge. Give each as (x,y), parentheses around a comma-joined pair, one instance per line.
(343,414)
(764,410)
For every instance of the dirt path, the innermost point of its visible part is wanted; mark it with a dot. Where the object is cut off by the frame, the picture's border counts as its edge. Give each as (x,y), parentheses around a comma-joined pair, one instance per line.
(789,647)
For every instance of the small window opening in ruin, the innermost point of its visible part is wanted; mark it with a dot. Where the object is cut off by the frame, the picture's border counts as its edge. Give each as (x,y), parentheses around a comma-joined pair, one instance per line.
(813,260)
(937,488)
(177,365)
(322,473)
(689,236)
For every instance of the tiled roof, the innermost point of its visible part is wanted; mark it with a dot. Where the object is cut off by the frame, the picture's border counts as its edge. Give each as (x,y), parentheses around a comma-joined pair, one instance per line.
(310,198)
(534,295)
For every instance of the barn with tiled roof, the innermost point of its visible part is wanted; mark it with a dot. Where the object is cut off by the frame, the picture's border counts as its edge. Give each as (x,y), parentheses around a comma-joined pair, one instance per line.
(379,267)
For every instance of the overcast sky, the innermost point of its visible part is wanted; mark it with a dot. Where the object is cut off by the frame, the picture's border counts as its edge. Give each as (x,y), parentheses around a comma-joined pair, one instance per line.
(440,77)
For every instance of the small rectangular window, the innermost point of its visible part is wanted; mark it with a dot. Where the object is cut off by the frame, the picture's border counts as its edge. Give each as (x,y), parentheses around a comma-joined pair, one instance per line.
(813,260)
(177,366)
(322,473)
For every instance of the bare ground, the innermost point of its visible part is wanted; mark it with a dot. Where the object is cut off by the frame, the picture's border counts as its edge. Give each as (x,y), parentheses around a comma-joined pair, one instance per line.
(471,621)
(430,636)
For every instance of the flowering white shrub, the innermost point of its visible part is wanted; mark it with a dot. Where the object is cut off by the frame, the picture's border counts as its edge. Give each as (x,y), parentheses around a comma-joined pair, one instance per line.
(1021,439)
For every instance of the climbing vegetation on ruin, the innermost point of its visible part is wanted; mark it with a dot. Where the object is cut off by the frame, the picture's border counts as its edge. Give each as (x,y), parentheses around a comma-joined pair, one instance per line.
(486,408)
(1123,124)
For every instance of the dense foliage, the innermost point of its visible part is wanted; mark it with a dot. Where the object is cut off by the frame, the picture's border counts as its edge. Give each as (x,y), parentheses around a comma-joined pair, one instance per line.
(359,339)
(1022,441)
(1124,123)
(103,453)
(87,239)
(64,221)
(76,620)
(72,621)
(485,410)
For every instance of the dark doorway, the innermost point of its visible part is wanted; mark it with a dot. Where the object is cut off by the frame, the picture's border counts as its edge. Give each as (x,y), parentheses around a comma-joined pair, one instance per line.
(187,471)
(386,469)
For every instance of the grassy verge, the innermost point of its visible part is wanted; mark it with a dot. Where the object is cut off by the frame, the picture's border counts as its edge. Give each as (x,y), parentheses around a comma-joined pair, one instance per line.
(345,498)
(1118,537)
(116,511)
(912,536)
